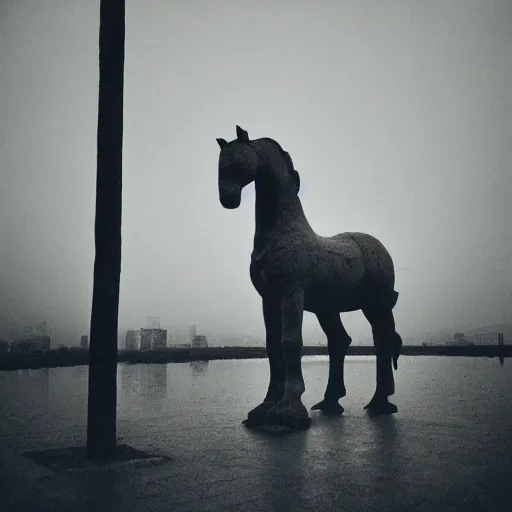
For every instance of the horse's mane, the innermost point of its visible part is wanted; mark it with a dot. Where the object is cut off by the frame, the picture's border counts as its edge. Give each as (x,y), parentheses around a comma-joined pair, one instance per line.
(286,155)
(275,142)
(288,160)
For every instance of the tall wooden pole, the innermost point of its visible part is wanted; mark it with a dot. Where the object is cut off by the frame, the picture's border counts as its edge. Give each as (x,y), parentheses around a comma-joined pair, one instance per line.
(102,402)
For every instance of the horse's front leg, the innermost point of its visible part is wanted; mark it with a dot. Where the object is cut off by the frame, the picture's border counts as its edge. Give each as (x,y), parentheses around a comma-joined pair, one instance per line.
(290,413)
(272,319)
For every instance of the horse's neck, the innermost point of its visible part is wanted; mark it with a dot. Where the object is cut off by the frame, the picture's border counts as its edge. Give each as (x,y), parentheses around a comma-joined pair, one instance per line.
(276,214)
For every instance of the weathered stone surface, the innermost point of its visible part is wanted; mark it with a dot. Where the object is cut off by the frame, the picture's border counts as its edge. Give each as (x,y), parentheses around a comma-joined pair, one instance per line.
(296,270)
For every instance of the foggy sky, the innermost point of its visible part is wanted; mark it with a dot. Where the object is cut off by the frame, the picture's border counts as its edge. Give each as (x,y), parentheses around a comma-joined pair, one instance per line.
(398,116)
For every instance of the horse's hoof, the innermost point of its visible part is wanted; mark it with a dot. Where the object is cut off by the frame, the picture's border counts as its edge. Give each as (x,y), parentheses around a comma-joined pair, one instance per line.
(330,407)
(381,407)
(284,415)
(257,416)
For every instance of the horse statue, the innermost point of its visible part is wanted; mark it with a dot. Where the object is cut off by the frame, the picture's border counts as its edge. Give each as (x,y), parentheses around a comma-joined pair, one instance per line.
(295,270)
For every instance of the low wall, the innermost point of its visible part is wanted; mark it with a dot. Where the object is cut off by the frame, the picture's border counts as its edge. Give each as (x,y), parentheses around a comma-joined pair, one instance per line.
(76,357)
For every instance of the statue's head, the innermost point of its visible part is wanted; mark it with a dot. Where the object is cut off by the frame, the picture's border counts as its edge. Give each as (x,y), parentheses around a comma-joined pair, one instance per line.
(238,163)
(241,159)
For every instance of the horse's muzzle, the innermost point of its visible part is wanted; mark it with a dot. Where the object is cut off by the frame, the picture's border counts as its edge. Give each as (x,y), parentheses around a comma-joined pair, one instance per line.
(230,199)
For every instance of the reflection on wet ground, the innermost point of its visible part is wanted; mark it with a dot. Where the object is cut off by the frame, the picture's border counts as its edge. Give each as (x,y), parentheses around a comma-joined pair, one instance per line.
(448,389)
(199,368)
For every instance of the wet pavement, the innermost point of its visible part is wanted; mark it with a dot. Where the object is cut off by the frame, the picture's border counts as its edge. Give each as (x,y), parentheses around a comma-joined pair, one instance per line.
(434,455)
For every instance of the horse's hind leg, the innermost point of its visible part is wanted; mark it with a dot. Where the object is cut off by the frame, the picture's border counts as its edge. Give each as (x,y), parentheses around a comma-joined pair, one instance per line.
(385,339)
(338,342)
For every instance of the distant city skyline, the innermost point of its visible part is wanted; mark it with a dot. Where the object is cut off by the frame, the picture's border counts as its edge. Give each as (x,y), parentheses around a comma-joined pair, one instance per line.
(181,334)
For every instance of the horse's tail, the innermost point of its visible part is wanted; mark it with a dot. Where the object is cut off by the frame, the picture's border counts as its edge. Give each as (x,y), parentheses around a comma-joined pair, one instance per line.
(397,340)
(397,346)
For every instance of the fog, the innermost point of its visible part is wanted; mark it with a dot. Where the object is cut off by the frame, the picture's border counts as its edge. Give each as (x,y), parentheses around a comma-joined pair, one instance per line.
(398,116)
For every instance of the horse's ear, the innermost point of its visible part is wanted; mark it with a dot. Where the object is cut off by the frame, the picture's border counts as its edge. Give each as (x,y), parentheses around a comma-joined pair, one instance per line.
(241,134)
(221,143)
(296,177)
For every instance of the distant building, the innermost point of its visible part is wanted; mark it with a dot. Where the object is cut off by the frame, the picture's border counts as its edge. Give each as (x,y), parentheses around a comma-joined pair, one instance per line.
(132,341)
(153,322)
(159,340)
(199,341)
(84,342)
(145,339)
(40,329)
(153,339)
(30,343)
(489,338)
(489,335)
(459,343)
(459,340)
(4,346)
